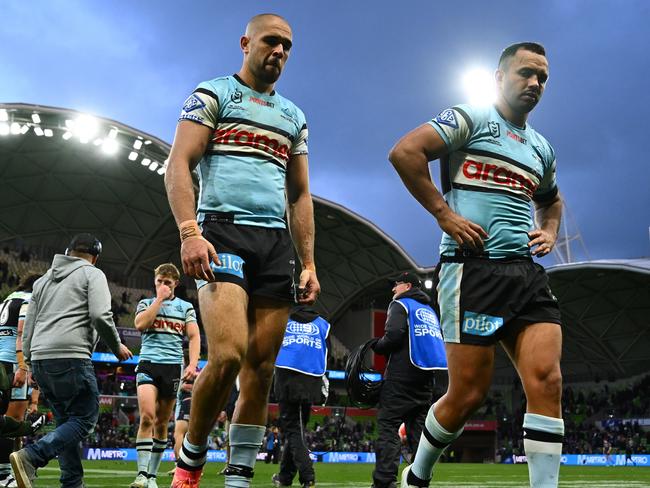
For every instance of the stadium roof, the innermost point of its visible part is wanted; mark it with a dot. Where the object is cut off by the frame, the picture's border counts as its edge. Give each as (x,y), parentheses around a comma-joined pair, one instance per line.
(64,172)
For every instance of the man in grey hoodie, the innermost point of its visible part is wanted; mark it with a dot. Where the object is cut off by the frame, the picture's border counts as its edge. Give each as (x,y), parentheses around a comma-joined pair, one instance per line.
(70,310)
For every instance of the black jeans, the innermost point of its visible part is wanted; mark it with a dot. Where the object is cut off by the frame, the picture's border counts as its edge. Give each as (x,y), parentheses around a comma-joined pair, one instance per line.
(399,402)
(295,456)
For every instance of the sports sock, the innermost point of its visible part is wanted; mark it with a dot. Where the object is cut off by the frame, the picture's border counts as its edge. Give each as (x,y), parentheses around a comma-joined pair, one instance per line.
(434,440)
(143,447)
(543,446)
(156,456)
(192,457)
(245,442)
(6,448)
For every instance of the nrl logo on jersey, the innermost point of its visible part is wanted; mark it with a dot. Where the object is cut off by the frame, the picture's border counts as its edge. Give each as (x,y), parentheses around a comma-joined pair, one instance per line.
(237,97)
(495,129)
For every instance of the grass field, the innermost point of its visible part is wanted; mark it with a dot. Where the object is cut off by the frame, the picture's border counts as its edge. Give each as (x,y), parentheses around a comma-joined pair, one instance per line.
(112,474)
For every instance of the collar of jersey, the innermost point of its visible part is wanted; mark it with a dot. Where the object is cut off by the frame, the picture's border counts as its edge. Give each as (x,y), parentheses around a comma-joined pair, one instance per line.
(242,82)
(523,129)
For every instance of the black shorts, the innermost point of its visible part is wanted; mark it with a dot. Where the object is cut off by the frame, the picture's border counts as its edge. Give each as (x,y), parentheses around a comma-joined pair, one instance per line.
(259,259)
(17,394)
(183,405)
(165,377)
(481,300)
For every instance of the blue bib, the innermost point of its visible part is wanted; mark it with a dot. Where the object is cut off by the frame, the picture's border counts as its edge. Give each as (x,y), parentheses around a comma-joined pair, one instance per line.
(426,346)
(304,347)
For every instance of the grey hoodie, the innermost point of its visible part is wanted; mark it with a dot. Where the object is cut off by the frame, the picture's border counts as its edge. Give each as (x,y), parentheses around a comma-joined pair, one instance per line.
(69,309)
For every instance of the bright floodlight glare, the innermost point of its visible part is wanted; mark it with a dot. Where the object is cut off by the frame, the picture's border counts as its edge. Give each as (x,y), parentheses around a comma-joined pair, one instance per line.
(4,116)
(36,118)
(110,146)
(145,162)
(161,170)
(147,142)
(137,144)
(15,128)
(428,284)
(38,131)
(67,135)
(48,132)
(4,129)
(133,155)
(113,133)
(98,141)
(153,166)
(85,127)
(478,84)
(24,129)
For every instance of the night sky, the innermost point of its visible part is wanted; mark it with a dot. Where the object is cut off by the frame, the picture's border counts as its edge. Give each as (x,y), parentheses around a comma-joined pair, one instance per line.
(365,73)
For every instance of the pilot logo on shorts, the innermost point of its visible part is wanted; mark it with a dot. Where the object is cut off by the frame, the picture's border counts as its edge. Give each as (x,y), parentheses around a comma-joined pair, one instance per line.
(230,264)
(448,118)
(193,103)
(481,324)
(236,97)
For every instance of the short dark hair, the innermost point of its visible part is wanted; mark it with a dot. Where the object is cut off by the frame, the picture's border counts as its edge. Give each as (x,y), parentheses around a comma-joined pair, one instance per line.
(511,50)
(28,282)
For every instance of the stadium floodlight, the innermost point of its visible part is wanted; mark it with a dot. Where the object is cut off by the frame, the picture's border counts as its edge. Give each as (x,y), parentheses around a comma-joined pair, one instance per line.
(48,133)
(153,166)
(478,84)
(133,155)
(112,134)
(4,129)
(110,146)
(161,170)
(147,142)
(145,162)
(36,118)
(15,128)
(24,129)
(98,141)
(428,284)
(85,127)
(67,135)
(38,131)
(4,115)
(137,144)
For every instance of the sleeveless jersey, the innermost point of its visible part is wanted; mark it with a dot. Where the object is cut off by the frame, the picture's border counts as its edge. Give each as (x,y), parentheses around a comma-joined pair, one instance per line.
(426,346)
(304,347)
(163,341)
(242,173)
(492,172)
(12,310)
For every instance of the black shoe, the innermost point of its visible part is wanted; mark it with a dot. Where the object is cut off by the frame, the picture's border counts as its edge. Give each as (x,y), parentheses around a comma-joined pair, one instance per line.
(38,424)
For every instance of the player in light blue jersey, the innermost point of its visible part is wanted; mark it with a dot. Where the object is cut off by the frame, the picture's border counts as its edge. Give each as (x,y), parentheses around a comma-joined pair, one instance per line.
(249,146)
(493,166)
(14,400)
(163,321)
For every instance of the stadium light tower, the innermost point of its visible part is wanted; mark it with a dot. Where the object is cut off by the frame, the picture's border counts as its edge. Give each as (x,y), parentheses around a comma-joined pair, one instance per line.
(478,85)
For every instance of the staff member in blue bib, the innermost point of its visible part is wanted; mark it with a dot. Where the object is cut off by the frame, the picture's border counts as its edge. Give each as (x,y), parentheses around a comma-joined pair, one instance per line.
(299,371)
(413,343)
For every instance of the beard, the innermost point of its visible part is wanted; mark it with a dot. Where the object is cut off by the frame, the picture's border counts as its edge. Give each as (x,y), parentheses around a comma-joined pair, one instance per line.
(267,72)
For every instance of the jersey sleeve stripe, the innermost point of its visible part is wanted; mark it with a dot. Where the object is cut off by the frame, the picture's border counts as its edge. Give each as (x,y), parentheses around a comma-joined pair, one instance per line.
(207,92)
(467,118)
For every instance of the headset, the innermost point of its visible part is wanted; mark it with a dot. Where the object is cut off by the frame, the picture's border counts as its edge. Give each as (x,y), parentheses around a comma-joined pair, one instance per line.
(87,243)
(362,392)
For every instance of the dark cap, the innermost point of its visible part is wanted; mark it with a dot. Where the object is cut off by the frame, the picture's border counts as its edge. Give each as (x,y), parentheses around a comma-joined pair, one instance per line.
(86,243)
(406,277)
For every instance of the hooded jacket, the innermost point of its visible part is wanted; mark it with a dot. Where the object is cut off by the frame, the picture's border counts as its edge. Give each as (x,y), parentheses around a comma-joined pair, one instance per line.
(395,343)
(69,310)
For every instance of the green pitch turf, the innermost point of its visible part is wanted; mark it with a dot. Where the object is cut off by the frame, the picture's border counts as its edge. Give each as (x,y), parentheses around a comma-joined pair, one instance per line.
(115,474)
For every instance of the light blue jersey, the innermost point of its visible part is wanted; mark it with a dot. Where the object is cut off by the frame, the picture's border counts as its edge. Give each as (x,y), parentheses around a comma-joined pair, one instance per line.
(242,173)
(492,172)
(163,342)
(12,310)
